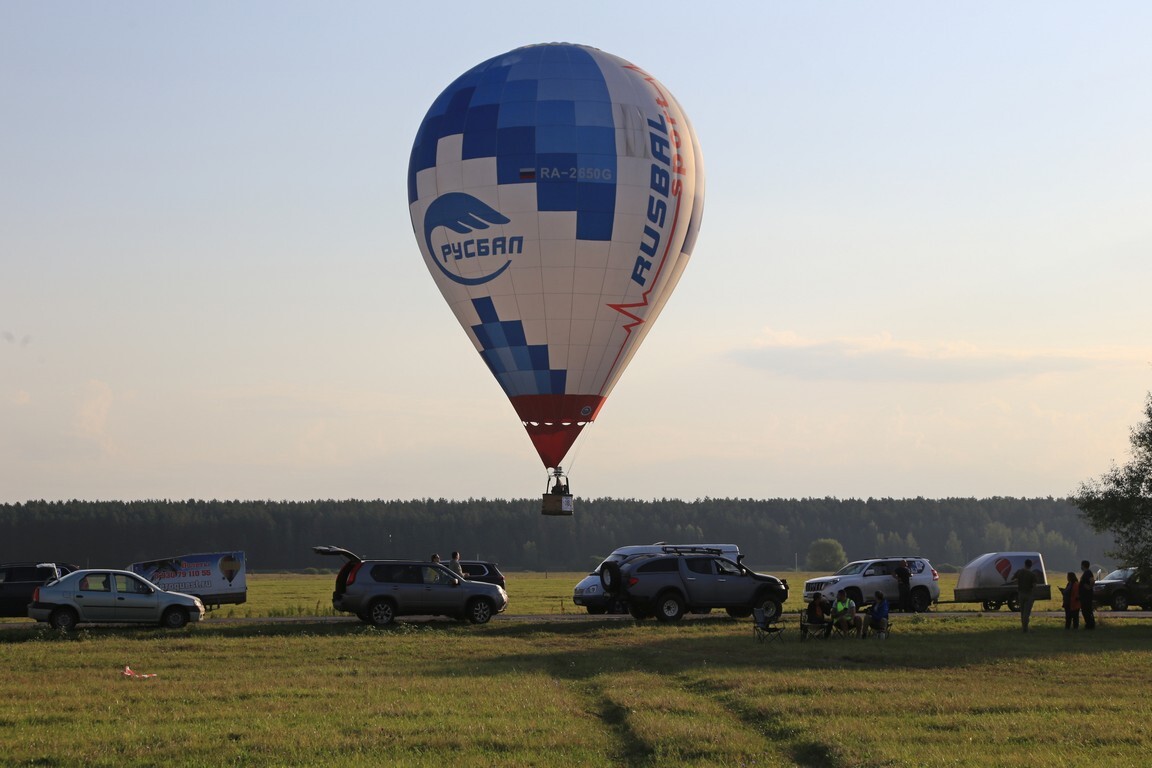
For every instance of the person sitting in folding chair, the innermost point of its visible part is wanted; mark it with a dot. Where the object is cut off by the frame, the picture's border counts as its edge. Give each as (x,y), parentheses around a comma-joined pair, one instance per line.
(844,616)
(816,620)
(763,628)
(877,617)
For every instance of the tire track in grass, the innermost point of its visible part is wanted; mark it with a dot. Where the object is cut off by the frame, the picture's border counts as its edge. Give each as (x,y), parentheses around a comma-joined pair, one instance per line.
(772,725)
(630,749)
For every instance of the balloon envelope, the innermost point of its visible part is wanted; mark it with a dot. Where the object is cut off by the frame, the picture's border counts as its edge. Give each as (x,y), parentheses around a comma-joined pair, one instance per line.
(556,192)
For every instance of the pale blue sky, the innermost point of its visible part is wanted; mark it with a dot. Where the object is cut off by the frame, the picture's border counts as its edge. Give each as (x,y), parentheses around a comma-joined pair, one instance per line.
(923,268)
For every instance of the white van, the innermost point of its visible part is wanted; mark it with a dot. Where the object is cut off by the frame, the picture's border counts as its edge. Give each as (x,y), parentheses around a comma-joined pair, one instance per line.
(589,594)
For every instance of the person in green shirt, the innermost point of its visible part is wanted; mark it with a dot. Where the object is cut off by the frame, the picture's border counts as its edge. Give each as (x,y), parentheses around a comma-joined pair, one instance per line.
(844,614)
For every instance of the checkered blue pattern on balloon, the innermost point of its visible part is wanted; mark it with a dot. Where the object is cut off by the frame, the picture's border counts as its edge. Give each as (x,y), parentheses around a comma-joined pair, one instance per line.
(520,367)
(536,110)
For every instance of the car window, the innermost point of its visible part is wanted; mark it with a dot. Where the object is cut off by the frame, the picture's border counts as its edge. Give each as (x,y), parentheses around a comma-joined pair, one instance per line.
(95,582)
(660,565)
(430,574)
(24,573)
(851,569)
(727,567)
(700,565)
(408,574)
(129,585)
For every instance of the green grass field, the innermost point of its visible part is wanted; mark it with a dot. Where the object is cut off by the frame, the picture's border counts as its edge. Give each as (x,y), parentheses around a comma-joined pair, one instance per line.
(942,691)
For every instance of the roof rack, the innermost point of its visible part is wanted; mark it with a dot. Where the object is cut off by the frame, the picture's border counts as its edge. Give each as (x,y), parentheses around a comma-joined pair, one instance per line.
(693,550)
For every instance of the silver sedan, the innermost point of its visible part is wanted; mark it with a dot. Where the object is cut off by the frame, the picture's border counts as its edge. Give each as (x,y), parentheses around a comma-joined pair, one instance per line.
(113,597)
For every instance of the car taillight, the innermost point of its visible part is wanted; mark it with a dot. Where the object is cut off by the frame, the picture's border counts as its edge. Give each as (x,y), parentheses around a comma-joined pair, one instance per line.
(935,576)
(36,595)
(633,581)
(352,574)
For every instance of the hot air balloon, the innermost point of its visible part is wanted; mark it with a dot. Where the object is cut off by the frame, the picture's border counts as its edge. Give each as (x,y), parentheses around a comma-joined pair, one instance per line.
(556,192)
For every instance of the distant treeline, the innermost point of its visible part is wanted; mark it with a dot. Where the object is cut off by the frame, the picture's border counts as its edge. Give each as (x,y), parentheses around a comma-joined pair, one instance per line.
(773,533)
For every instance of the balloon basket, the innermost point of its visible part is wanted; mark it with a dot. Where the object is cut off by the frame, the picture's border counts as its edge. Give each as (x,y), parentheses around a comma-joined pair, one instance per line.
(557,504)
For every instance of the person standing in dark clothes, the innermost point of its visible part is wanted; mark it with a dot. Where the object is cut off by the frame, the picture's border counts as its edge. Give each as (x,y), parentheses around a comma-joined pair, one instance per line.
(904,585)
(1071,601)
(1025,579)
(1087,584)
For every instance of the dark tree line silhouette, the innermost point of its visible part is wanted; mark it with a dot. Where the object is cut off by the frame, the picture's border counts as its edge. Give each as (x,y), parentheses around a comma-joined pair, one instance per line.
(773,533)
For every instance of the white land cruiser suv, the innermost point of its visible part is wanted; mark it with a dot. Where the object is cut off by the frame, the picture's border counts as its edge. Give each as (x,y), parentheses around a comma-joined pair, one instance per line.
(861,579)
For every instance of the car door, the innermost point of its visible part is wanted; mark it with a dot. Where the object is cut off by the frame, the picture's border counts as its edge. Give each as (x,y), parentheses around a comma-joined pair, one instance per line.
(94,598)
(135,601)
(441,596)
(735,586)
(701,580)
(403,583)
(880,577)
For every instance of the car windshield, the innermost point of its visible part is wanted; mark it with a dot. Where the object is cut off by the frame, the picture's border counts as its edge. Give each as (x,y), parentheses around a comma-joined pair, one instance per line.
(851,569)
(1120,574)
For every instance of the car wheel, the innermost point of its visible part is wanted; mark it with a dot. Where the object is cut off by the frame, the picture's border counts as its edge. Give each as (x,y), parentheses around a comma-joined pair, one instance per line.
(921,600)
(596,610)
(617,605)
(739,613)
(610,578)
(64,619)
(772,610)
(992,605)
(855,595)
(174,618)
(669,607)
(1013,604)
(636,612)
(1119,602)
(479,611)
(381,613)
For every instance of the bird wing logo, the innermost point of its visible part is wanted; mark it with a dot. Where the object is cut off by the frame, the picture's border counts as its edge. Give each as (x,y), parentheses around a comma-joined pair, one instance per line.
(464,214)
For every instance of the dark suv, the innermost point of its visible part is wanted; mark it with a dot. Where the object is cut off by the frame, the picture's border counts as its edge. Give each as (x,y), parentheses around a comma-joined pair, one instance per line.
(19,580)
(378,591)
(670,585)
(1122,588)
(479,570)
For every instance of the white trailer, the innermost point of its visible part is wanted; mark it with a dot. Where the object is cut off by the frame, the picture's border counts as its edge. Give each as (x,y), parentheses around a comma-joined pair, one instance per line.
(988,580)
(217,578)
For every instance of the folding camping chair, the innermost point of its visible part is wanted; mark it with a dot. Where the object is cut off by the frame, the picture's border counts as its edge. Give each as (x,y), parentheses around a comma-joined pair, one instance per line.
(763,629)
(809,630)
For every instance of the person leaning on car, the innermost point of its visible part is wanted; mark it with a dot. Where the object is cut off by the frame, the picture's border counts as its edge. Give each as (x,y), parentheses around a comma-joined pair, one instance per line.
(903,576)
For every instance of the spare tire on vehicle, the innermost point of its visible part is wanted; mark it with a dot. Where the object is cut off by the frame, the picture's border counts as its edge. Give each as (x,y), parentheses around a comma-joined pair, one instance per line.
(610,578)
